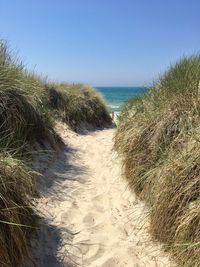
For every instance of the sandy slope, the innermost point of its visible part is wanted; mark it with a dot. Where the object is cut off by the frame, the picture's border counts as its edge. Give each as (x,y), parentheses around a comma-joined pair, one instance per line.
(91,218)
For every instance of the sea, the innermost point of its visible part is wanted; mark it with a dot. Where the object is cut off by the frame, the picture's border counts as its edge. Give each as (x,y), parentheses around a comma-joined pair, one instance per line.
(116,97)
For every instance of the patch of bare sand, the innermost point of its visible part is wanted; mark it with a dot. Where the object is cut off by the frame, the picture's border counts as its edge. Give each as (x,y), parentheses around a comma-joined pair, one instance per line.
(91,217)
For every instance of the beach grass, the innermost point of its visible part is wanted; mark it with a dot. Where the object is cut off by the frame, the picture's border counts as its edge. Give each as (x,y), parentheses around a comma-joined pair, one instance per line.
(24,120)
(78,105)
(158,140)
(29,108)
(17,216)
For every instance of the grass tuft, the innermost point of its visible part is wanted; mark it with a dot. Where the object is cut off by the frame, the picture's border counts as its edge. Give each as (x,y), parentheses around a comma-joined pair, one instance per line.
(78,105)
(158,140)
(29,106)
(17,217)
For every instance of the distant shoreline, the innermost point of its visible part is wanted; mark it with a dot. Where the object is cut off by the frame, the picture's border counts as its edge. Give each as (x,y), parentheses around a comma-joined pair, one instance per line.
(116,97)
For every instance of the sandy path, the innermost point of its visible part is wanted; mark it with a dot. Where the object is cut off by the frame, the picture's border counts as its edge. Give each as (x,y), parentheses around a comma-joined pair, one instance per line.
(91,218)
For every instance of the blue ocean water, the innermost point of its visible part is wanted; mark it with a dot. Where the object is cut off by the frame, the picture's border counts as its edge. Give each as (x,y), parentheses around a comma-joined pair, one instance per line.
(116,96)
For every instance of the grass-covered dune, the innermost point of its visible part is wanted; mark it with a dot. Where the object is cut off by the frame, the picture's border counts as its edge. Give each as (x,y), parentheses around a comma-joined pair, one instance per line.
(159,140)
(23,121)
(78,105)
(29,107)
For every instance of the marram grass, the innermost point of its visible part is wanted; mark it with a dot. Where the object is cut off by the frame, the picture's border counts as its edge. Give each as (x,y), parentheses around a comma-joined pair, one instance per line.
(17,217)
(24,120)
(29,106)
(158,139)
(78,105)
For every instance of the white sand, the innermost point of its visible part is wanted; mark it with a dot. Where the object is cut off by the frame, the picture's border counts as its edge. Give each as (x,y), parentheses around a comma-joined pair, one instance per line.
(91,218)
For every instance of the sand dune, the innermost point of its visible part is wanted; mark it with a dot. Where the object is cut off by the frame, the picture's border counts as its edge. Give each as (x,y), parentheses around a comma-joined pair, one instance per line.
(91,218)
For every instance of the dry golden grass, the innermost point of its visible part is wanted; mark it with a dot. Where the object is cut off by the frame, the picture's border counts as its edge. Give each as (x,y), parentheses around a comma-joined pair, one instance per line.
(158,139)
(28,109)
(24,120)
(78,105)
(17,217)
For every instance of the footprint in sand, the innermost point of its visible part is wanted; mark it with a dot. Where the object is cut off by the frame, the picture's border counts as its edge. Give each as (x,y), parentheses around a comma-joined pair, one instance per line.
(92,218)
(95,251)
(89,219)
(70,217)
(100,202)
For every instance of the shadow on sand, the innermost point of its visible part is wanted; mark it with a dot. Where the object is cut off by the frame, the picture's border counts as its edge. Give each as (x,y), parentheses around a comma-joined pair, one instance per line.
(62,171)
(43,248)
(45,245)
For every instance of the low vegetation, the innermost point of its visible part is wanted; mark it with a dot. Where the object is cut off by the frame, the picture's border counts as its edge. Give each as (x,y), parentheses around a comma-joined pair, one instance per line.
(29,106)
(78,105)
(158,140)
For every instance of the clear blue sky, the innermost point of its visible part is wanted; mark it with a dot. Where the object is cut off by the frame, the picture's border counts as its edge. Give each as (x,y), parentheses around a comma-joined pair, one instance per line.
(101,42)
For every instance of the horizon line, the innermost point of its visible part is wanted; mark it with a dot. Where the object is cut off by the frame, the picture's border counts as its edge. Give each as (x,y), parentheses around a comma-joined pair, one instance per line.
(119,86)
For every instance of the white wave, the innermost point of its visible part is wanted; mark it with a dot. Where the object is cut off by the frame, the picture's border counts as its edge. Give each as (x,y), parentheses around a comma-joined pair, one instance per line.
(114,106)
